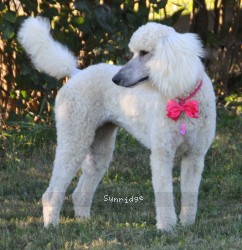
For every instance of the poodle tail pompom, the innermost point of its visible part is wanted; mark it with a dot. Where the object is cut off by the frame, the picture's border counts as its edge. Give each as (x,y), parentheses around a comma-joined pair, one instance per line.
(47,55)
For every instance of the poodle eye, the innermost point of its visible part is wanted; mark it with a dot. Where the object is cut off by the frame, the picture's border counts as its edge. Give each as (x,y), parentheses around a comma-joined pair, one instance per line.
(143,53)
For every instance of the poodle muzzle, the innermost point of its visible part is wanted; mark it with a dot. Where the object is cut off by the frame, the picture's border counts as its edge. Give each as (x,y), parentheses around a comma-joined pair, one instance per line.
(133,72)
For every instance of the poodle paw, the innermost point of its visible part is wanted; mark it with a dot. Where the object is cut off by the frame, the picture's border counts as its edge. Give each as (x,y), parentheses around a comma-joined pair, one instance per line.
(187,217)
(50,218)
(167,224)
(82,213)
(165,227)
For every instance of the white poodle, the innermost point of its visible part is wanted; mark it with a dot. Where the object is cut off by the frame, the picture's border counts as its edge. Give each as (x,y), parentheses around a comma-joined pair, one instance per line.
(172,110)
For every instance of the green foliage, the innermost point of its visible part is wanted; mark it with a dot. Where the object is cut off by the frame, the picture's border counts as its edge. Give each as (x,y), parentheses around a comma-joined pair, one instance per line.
(234,103)
(19,143)
(95,33)
(98,33)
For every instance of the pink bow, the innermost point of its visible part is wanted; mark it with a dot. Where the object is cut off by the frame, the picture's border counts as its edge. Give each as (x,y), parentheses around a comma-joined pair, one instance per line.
(175,109)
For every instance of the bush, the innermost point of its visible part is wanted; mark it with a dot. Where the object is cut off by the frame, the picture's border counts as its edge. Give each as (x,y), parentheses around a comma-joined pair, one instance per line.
(93,31)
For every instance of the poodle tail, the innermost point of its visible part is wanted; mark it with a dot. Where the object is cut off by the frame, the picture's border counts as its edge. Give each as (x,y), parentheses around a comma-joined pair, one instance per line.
(47,55)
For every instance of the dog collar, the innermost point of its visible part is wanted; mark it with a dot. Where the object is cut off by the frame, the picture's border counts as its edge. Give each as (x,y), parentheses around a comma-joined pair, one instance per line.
(184,105)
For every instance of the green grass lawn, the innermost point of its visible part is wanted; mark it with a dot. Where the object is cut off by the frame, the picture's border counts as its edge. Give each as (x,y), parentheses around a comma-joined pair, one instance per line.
(25,172)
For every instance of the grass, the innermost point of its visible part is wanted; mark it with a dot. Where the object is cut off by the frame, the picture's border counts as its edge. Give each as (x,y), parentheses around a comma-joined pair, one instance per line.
(26,162)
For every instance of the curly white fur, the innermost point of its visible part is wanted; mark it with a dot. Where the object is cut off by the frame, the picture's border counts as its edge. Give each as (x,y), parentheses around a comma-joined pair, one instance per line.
(45,52)
(168,63)
(90,106)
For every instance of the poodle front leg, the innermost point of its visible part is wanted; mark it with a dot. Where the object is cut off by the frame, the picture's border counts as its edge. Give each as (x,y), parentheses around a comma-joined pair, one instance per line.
(191,173)
(162,183)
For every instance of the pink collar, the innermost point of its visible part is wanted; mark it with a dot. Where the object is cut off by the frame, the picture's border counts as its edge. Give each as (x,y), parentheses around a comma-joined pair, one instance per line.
(184,105)
(194,92)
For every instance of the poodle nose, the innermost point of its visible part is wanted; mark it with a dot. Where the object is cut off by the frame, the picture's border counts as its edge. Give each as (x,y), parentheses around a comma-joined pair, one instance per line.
(116,79)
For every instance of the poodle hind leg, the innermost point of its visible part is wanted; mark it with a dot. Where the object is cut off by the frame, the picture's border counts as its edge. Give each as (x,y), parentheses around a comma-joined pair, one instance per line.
(93,169)
(191,174)
(70,153)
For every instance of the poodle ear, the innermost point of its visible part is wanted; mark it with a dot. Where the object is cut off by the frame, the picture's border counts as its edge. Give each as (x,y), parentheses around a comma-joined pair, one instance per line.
(176,67)
(192,42)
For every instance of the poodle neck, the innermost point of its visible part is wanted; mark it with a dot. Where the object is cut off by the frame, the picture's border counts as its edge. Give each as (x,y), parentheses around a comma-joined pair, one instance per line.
(192,94)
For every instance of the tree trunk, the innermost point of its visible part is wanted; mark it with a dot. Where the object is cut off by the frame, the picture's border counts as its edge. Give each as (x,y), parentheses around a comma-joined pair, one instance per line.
(226,27)
(199,19)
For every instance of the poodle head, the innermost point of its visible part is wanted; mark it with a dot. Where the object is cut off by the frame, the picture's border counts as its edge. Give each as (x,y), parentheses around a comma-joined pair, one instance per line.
(170,61)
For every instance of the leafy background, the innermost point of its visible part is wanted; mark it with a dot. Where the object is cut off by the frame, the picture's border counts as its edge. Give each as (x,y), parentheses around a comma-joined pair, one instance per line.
(99,31)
